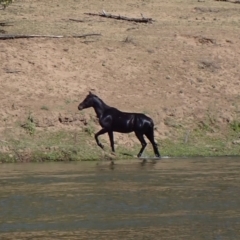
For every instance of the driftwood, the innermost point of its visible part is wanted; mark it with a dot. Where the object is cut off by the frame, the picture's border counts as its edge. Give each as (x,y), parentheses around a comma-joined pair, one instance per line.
(231,1)
(10,36)
(118,17)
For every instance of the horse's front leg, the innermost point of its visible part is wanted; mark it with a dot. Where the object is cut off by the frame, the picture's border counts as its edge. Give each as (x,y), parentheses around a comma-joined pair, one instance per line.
(102,131)
(110,134)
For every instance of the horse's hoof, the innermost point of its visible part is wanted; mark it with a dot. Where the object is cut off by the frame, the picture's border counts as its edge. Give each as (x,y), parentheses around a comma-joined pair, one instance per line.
(113,154)
(109,156)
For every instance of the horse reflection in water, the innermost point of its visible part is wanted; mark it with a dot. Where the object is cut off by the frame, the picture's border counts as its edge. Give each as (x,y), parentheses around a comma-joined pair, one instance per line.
(113,120)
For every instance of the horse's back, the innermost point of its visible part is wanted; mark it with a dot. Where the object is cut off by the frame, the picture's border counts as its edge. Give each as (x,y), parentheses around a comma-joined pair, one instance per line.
(126,122)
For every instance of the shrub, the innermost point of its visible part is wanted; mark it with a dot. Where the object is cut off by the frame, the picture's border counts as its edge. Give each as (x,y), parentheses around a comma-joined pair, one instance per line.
(235,125)
(5,3)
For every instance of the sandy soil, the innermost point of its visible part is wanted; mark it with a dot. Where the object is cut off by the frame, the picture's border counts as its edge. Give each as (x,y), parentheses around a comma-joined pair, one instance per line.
(183,69)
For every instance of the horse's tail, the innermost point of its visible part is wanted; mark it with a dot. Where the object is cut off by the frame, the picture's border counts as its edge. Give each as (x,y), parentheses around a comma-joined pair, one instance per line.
(150,132)
(151,126)
(148,124)
(150,121)
(143,123)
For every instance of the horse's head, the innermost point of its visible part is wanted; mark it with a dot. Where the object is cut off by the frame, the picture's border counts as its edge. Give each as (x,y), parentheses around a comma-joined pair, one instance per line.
(87,102)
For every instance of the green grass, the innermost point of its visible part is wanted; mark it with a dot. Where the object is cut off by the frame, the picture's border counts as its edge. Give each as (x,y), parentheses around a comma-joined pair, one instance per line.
(235,126)
(69,145)
(29,125)
(51,146)
(200,143)
(44,108)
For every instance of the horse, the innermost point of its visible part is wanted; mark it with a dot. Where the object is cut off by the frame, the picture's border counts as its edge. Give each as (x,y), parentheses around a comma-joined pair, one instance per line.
(113,120)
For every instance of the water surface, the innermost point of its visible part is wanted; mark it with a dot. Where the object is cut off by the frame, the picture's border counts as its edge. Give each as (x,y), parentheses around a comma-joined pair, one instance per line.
(172,199)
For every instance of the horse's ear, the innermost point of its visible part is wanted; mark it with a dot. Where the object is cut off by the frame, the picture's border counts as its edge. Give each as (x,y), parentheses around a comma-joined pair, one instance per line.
(90,93)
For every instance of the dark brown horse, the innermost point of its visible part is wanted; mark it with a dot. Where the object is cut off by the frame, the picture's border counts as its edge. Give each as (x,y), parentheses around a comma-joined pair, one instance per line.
(113,120)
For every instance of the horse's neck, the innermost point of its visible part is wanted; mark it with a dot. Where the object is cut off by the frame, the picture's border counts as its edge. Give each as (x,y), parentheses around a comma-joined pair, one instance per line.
(99,107)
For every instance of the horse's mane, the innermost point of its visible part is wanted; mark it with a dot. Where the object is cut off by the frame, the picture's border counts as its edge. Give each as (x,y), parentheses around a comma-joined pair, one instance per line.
(93,95)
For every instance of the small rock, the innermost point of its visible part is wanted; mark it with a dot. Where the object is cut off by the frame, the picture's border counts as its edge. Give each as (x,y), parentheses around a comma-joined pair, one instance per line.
(236,141)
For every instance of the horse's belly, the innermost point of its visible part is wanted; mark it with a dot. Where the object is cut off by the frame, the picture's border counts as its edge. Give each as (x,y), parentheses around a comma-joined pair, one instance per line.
(122,131)
(122,128)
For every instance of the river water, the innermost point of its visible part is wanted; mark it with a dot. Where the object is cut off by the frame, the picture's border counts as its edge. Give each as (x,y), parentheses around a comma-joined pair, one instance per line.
(195,198)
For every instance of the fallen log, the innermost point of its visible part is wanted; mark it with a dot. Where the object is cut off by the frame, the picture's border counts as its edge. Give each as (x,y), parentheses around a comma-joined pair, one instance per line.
(118,17)
(5,24)
(12,36)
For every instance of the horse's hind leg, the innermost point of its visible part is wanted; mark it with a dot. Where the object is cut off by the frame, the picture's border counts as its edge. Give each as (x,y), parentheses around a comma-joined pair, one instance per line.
(143,142)
(150,136)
